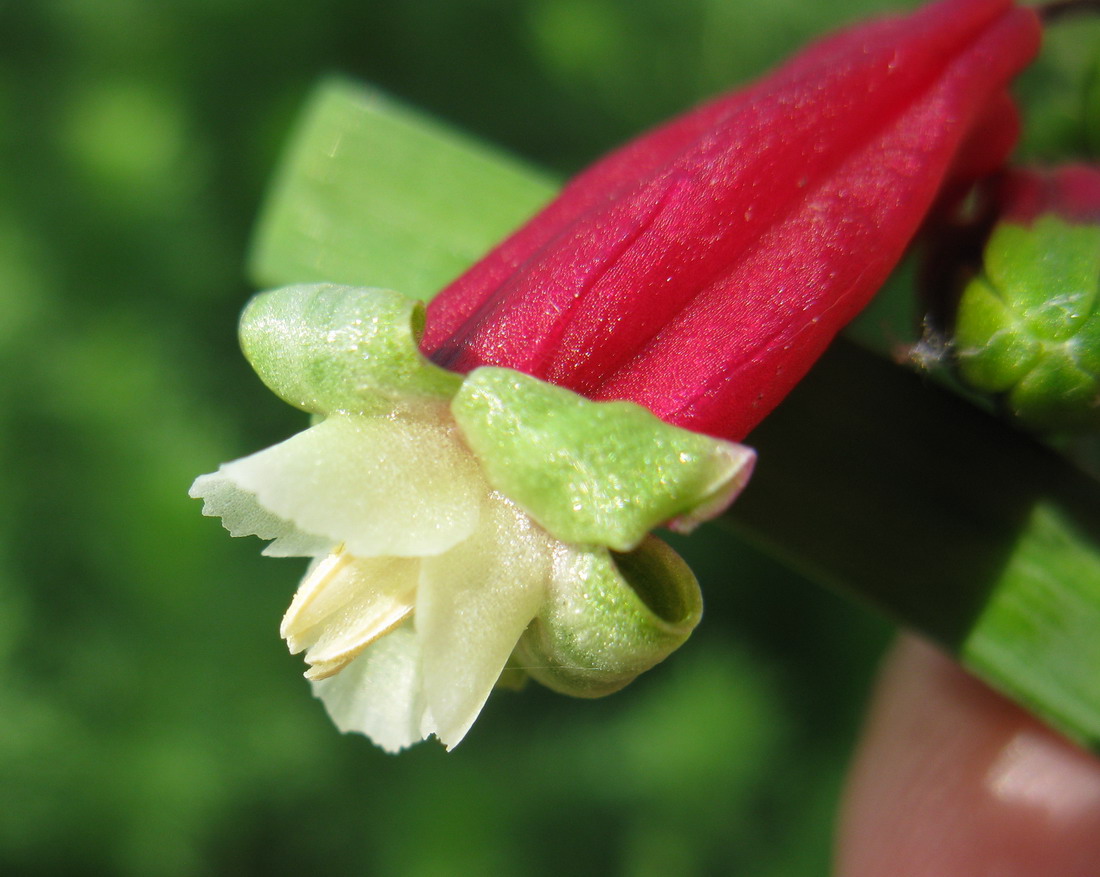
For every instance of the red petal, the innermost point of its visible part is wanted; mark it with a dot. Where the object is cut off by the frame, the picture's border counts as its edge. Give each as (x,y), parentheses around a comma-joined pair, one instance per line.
(703,268)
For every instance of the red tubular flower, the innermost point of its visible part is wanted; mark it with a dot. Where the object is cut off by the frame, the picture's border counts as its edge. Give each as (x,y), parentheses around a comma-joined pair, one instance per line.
(702,269)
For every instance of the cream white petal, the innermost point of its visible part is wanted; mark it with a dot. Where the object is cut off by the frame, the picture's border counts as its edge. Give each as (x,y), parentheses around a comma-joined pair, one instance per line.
(344,604)
(380,486)
(473,604)
(242,515)
(379,693)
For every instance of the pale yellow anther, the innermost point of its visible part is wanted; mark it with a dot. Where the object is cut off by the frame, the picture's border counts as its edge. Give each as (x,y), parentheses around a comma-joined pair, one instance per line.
(298,619)
(346,603)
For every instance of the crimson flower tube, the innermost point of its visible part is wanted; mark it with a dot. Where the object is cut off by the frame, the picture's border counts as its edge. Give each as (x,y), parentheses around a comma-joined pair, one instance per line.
(701,270)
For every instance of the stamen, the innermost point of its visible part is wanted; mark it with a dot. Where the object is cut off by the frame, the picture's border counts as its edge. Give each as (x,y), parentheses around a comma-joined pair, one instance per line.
(344,604)
(313,583)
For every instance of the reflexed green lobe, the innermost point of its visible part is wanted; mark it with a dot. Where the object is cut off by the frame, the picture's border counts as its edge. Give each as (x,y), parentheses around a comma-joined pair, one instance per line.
(1030,326)
(327,348)
(600,473)
(609,617)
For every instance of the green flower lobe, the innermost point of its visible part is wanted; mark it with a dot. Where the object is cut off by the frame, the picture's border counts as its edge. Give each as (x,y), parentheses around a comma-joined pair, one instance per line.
(602,473)
(327,348)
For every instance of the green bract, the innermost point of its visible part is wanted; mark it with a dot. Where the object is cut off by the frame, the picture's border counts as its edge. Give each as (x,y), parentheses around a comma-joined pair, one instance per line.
(603,473)
(1029,327)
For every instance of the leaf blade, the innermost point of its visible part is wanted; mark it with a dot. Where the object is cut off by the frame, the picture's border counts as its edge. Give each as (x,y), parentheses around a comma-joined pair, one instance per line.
(372,193)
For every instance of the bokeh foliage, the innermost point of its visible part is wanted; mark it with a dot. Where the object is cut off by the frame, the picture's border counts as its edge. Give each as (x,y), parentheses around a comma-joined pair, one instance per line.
(152,723)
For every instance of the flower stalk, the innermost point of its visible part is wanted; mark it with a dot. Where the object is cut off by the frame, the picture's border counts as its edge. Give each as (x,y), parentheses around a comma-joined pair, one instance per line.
(951,523)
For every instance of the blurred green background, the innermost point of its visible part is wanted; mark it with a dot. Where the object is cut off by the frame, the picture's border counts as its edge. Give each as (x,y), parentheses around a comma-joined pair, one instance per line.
(151,722)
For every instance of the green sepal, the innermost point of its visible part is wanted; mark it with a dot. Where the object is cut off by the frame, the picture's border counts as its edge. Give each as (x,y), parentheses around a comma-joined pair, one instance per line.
(327,348)
(1048,272)
(1030,326)
(599,473)
(609,617)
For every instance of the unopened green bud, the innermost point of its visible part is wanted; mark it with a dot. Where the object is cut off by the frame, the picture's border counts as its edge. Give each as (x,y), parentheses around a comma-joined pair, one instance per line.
(1029,326)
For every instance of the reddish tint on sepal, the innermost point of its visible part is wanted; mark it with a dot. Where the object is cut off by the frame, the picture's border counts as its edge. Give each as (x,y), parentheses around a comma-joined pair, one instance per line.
(1071,192)
(702,269)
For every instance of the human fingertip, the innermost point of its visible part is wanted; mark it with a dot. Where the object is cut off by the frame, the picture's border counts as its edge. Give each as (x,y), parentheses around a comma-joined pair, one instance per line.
(953,780)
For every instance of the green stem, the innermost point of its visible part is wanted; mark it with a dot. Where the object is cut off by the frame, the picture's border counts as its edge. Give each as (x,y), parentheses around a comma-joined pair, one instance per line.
(901,494)
(1056,10)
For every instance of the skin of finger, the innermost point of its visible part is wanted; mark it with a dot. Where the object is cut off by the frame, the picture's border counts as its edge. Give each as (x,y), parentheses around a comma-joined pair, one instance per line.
(952,780)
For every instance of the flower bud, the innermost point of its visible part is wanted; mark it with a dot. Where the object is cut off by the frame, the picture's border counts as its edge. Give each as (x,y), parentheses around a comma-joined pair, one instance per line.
(1028,326)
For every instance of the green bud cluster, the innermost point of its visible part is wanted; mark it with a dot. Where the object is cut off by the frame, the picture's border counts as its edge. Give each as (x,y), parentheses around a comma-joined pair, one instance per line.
(1028,327)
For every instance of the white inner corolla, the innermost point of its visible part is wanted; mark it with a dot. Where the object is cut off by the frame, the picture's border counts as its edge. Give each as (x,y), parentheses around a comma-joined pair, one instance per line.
(410,541)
